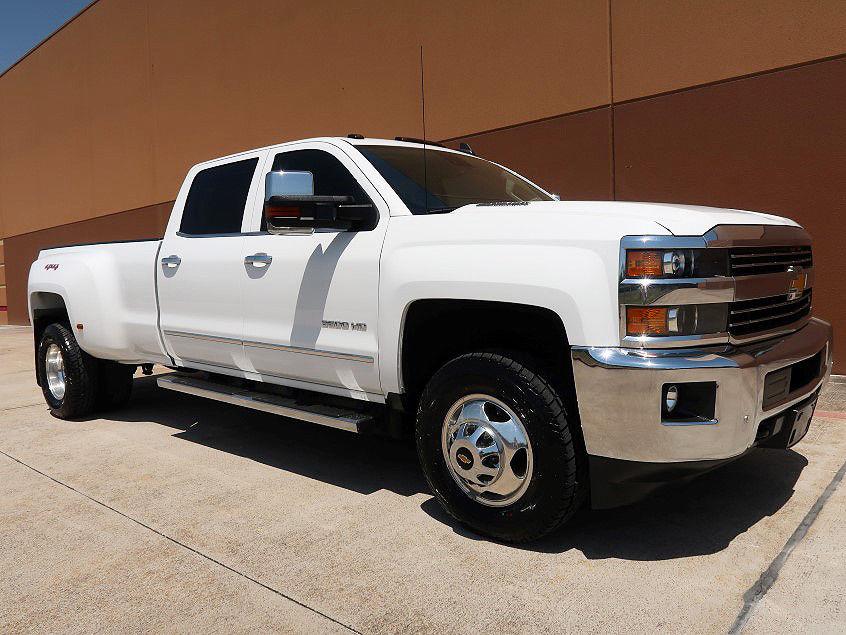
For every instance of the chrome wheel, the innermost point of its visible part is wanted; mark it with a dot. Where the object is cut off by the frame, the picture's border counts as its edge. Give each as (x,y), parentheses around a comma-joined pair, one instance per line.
(54,369)
(487,450)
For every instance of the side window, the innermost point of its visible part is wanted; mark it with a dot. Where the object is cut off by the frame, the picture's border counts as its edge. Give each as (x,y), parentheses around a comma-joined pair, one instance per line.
(216,200)
(331,178)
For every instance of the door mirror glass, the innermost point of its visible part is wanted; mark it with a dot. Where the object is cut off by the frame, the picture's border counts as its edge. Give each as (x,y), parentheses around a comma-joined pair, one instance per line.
(288,183)
(290,206)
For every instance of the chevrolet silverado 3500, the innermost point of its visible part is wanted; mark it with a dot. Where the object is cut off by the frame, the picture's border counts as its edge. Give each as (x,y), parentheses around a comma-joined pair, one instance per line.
(545,353)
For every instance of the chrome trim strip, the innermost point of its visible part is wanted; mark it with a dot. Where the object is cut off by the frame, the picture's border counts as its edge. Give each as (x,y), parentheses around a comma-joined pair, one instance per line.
(365,359)
(207,338)
(673,341)
(664,291)
(610,358)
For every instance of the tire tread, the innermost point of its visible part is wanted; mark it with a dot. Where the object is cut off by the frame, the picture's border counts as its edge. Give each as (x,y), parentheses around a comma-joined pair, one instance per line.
(80,372)
(573,492)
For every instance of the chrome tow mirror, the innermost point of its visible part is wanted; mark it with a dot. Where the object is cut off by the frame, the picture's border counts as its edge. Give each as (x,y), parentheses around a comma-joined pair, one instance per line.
(291,207)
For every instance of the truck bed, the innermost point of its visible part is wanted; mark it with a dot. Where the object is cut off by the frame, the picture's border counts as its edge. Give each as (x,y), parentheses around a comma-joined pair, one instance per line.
(114,312)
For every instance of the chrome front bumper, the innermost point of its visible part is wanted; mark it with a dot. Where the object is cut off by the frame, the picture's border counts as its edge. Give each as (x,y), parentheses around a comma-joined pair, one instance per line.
(619,392)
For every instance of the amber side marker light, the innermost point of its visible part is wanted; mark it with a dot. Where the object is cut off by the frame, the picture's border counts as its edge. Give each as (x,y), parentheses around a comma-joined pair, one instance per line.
(647,321)
(643,264)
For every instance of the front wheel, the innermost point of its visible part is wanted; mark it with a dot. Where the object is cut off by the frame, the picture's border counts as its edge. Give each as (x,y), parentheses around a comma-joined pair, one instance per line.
(497,448)
(68,374)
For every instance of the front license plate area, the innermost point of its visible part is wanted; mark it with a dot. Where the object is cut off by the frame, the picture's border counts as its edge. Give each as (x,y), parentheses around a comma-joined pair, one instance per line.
(787,428)
(801,423)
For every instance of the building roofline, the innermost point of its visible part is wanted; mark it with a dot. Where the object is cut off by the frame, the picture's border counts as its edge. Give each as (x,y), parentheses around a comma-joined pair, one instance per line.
(49,37)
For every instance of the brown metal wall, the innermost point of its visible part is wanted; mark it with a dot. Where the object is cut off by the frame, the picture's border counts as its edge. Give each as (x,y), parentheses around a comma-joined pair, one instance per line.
(708,101)
(569,155)
(21,250)
(775,142)
(664,45)
(125,98)
(4,315)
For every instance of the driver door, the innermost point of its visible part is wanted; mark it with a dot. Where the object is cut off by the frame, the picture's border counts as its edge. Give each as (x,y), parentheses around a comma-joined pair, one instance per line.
(311,299)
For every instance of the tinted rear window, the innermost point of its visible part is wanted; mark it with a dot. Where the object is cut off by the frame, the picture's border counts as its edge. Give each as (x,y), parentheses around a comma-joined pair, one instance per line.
(216,200)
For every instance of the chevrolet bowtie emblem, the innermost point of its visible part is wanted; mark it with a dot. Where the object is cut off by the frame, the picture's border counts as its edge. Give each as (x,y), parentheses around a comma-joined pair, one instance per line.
(798,280)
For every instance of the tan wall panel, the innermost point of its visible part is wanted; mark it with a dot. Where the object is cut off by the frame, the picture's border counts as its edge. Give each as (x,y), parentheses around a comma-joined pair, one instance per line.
(758,143)
(4,318)
(663,45)
(3,301)
(2,274)
(493,64)
(75,122)
(124,99)
(569,155)
(22,250)
(248,74)
(2,252)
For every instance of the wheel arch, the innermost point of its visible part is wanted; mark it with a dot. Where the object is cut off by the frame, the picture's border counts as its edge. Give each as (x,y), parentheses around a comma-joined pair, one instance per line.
(45,308)
(433,331)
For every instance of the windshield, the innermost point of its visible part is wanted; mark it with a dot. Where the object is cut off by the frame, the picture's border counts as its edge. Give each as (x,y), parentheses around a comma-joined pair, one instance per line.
(452,179)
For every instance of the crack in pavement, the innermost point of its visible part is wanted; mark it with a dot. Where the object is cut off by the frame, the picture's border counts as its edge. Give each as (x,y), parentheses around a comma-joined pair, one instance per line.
(758,590)
(26,405)
(182,544)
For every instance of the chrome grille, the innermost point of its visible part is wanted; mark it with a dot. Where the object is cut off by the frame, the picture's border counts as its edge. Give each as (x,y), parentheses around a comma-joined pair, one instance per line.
(748,317)
(751,261)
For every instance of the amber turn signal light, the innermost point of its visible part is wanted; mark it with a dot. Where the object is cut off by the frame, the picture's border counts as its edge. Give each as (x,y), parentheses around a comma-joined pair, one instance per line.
(643,264)
(647,321)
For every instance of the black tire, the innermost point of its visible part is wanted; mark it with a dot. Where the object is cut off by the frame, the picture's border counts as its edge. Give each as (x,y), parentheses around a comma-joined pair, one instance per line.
(558,482)
(114,384)
(80,371)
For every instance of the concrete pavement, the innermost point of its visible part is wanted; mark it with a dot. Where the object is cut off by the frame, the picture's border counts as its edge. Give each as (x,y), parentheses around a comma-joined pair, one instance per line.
(181,514)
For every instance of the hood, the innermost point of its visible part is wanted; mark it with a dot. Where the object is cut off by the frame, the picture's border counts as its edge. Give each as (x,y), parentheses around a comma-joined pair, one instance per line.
(681,220)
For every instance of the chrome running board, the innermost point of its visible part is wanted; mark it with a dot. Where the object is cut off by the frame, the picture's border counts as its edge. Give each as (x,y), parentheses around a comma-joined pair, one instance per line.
(325,415)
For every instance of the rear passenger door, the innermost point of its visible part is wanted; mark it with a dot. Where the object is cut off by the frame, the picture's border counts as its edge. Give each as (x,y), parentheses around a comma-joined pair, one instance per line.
(200,273)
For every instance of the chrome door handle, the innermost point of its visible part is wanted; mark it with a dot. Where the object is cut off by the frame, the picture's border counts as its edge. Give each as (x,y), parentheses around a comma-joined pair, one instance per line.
(258,260)
(171,262)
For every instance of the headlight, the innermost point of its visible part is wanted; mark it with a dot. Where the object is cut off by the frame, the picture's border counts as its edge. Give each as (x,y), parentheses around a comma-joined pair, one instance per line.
(676,263)
(652,263)
(691,319)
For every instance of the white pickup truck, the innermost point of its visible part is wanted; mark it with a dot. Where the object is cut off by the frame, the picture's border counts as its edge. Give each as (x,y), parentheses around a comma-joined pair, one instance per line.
(545,354)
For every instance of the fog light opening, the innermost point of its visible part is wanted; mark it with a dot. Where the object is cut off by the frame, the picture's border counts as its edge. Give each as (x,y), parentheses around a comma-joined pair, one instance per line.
(671,398)
(696,403)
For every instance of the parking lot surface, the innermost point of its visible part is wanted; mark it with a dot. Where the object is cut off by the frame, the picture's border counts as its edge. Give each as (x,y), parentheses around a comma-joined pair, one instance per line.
(181,514)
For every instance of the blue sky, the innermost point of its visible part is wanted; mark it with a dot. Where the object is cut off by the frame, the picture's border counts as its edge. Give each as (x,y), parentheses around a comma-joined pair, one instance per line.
(25,23)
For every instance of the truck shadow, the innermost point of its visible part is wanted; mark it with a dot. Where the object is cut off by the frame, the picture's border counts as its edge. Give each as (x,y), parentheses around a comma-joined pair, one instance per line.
(700,517)
(363,464)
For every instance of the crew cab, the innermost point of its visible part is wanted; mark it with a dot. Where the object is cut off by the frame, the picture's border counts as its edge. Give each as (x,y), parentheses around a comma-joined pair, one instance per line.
(544,354)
